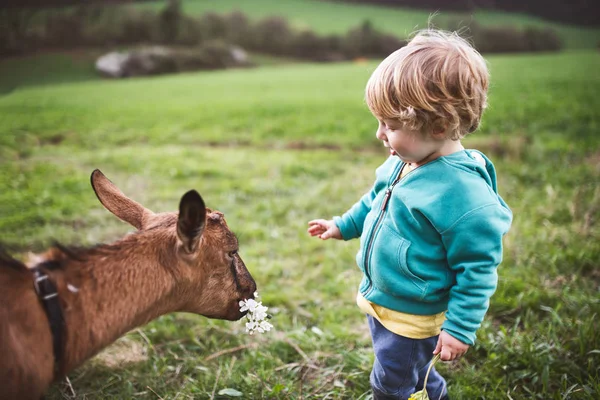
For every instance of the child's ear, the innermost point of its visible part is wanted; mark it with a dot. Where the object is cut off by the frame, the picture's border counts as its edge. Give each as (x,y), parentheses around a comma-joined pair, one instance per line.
(439,130)
(439,133)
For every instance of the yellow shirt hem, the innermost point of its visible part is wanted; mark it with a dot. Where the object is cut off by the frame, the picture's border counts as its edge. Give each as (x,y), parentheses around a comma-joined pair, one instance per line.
(407,325)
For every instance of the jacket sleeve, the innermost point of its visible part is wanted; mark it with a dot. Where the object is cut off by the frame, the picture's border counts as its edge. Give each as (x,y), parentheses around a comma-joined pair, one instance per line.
(474,251)
(351,222)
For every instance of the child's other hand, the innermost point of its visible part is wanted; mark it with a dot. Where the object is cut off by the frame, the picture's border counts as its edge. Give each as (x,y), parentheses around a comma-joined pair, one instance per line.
(450,347)
(324,229)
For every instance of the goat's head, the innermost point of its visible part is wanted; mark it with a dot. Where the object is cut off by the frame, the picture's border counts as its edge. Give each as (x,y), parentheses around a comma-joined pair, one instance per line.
(211,276)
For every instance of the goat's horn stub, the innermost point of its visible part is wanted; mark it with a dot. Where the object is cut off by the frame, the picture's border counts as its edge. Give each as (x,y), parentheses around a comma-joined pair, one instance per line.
(116,202)
(192,219)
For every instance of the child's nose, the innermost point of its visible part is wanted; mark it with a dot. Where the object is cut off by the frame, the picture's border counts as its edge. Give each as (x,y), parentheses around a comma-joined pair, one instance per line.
(380,134)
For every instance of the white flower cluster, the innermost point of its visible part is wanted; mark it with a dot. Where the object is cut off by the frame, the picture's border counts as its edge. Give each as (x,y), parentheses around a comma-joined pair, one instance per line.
(257,315)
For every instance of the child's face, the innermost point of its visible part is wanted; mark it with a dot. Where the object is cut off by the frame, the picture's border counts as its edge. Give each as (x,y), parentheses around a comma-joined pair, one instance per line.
(410,146)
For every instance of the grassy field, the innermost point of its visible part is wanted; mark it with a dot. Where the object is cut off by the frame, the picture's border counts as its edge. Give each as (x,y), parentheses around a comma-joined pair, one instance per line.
(317,15)
(276,146)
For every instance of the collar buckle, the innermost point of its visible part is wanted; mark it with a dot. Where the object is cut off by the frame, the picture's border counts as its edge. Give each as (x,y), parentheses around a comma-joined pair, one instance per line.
(39,277)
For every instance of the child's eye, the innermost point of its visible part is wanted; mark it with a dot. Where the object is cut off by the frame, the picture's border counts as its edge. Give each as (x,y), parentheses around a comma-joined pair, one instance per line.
(387,126)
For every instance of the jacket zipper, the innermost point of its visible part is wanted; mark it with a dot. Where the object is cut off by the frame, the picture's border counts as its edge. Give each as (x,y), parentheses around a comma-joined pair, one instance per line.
(386,199)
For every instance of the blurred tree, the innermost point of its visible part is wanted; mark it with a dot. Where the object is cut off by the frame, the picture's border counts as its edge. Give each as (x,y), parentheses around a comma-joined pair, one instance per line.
(170,18)
(16,17)
(13,27)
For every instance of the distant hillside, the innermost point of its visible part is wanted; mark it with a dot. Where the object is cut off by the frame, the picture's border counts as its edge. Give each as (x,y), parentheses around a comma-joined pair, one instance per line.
(584,12)
(336,17)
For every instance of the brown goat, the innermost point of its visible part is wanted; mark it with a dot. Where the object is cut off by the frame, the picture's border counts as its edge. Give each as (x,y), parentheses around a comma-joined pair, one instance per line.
(184,261)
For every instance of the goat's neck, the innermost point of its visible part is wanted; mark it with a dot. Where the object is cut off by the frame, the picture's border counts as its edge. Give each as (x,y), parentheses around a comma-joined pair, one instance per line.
(116,292)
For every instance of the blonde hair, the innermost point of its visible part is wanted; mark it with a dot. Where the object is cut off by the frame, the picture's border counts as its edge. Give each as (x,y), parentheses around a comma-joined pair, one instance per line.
(437,82)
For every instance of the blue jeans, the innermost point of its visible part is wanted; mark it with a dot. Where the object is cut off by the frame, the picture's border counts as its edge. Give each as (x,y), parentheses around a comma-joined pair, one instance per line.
(401,364)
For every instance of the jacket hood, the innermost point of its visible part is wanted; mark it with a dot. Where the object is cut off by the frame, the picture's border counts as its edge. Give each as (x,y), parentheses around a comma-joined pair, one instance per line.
(480,164)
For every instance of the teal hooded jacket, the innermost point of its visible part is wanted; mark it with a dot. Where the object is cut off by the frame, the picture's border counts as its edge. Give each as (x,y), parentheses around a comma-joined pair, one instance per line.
(432,241)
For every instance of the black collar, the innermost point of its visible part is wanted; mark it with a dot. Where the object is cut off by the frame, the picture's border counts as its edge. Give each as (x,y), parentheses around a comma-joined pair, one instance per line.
(48,295)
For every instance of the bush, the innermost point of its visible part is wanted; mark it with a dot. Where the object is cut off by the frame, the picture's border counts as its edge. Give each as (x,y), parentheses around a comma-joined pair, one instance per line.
(499,40)
(63,29)
(169,20)
(94,25)
(150,63)
(365,41)
(190,32)
(212,55)
(542,39)
(508,39)
(136,27)
(272,35)
(14,34)
(307,45)
(239,29)
(213,26)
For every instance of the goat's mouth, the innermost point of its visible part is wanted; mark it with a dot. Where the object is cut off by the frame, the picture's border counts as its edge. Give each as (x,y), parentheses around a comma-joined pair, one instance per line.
(235,314)
(239,303)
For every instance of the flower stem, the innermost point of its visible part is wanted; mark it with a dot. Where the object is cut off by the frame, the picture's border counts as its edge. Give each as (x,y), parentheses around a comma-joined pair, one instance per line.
(431,364)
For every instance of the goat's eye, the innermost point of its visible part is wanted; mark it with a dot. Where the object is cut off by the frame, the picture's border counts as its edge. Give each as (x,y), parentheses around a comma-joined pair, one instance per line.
(232,253)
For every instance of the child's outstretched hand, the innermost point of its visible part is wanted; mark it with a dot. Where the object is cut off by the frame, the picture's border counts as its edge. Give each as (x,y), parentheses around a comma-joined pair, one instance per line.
(324,229)
(449,347)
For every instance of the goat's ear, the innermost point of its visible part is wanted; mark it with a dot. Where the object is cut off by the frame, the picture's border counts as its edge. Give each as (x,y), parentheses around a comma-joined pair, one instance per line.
(116,202)
(192,220)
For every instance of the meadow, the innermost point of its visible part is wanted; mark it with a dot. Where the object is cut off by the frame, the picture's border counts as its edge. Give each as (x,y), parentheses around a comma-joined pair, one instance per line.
(274,147)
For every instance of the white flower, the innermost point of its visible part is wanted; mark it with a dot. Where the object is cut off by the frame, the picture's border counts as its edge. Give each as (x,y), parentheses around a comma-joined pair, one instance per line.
(248,305)
(256,315)
(264,326)
(251,326)
(259,314)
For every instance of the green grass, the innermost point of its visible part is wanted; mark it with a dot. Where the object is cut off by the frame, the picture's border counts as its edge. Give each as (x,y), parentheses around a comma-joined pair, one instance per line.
(277,105)
(47,68)
(276,146)
(317,15)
